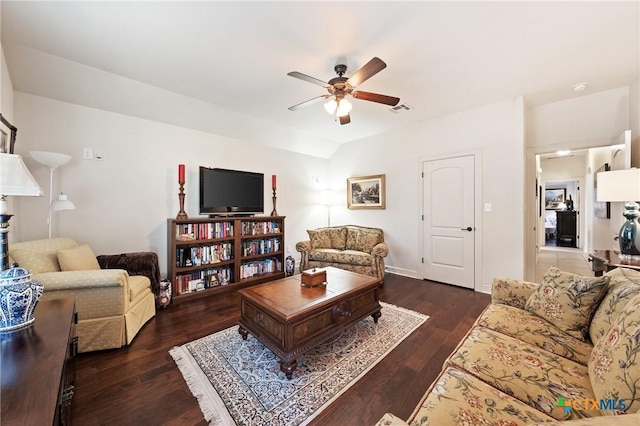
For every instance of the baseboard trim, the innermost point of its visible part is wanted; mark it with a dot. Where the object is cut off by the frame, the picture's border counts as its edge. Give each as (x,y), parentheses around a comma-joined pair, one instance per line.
(401,271)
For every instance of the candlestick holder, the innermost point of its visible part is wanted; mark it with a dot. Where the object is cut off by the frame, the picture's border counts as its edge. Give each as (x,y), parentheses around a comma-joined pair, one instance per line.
(181,214)
(274,212)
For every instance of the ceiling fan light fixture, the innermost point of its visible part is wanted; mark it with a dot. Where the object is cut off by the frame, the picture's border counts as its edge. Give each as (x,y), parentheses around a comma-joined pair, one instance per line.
(344,106)
(331,106)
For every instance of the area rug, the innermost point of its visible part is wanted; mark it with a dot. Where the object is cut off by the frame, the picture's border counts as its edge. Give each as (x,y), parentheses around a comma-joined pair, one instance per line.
(239,382)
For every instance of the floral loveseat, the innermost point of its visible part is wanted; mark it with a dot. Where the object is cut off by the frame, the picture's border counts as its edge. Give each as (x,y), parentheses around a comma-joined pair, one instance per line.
(566,350)
(112,306)
(354,248)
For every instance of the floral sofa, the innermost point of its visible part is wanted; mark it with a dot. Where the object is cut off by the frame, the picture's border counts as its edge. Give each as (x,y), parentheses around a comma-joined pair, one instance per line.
(566,351)
(112,305)
(354,248)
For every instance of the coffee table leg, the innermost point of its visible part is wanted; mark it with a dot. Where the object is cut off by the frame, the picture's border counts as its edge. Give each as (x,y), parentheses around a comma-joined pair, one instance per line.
(288,367)
(375,316)
(244,333)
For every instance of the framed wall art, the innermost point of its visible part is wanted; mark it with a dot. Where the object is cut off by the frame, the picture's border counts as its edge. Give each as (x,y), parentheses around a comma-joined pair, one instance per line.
(366,192)
(554,198)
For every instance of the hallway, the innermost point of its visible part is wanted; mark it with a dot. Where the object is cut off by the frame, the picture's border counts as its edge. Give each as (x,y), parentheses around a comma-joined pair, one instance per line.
(566,259)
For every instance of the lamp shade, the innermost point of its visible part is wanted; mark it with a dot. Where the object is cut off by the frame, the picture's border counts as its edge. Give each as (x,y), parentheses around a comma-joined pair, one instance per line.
(619,185)
(62,203)
(15,178)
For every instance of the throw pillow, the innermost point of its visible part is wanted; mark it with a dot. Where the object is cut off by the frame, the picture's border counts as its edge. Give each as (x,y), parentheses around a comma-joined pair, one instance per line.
(614,367)
(567,300)
(338,238)
(80,258)
(319,239)
(36,262)
(624,284)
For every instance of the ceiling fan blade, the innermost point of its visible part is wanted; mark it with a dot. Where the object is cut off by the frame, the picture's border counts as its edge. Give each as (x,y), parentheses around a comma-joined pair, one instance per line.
(367,71)
(375,97)
(345,119)
(307,103)
(308,78)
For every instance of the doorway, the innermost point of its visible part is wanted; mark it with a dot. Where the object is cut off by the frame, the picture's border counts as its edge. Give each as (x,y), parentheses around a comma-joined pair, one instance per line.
(592,232)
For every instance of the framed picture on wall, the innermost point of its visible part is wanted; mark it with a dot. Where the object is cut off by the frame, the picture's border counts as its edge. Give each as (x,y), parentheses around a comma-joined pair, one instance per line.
(366,192)
(601,209)
(554,198)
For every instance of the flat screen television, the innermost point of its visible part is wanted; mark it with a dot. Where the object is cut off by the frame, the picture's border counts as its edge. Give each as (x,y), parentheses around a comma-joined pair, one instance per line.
(230,192)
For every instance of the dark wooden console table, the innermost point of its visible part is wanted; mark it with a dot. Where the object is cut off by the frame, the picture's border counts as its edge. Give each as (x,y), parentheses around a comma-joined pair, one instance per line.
(606,260)
(37,370)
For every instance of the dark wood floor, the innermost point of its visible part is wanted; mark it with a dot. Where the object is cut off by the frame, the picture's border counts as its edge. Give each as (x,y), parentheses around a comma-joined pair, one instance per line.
(140,384)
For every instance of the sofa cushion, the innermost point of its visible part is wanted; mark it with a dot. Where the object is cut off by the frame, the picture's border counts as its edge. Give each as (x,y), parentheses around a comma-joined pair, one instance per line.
(458,398)
(530,328)
(80,258)
(338,256)
(36,262)
(319,238)
(623,285)
(338,237)
(614,365)
(363,239)
(524,371)
(567,300)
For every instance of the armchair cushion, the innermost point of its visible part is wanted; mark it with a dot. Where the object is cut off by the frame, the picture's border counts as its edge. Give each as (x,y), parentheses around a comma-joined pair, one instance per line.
(567,300)
(79,258)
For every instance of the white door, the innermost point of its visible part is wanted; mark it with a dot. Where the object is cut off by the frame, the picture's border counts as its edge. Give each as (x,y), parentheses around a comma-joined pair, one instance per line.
(449,229)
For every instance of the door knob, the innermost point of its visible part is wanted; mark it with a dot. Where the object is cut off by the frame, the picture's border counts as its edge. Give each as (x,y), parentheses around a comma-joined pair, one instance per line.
(468,228)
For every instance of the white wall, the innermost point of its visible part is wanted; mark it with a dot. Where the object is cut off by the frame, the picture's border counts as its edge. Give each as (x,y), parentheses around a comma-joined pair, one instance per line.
(123,202)
(589,118)
(495,130)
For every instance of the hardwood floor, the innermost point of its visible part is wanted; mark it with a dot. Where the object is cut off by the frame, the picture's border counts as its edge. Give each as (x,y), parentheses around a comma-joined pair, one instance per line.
(140,384)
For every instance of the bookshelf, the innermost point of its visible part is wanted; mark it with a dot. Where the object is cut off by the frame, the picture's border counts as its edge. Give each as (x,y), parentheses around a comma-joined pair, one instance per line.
(214,255)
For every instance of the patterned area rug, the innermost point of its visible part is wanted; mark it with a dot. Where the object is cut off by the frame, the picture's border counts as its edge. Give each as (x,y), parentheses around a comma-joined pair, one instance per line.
(239,382)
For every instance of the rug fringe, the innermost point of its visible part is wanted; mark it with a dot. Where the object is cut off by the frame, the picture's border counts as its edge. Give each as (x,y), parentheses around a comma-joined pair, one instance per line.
(211,405)
(405,310)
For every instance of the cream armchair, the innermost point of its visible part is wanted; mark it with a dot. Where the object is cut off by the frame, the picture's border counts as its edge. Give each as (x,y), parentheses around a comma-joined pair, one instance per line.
(112,306)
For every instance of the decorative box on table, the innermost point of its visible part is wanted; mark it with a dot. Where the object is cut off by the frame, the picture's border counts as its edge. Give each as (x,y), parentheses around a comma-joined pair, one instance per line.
(314,277)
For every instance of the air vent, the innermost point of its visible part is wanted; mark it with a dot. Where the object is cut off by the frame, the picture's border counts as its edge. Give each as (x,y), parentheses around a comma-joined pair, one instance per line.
(400,108)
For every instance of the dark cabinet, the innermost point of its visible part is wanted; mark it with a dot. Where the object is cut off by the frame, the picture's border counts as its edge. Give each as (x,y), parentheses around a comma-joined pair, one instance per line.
(566,228)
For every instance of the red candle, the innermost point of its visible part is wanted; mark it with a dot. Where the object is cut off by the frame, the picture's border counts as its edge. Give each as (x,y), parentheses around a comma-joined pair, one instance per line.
(180,173)
(273,181)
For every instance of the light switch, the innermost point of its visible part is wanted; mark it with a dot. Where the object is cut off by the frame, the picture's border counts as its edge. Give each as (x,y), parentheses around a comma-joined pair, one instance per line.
(487,207)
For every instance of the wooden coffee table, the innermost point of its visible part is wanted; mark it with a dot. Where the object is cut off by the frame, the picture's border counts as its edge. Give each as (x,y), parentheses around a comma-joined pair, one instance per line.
(290,319)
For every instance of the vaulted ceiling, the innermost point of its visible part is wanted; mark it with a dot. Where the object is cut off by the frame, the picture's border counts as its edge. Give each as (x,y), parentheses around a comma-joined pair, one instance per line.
(221,67)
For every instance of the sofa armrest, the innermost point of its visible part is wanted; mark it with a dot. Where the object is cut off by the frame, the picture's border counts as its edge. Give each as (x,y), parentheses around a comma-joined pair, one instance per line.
(512,292)
(73,280)
(390,420)
(303,246)
(380,250)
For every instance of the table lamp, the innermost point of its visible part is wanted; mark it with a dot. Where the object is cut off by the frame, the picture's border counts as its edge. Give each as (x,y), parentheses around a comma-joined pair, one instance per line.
(623,186)
(18,293)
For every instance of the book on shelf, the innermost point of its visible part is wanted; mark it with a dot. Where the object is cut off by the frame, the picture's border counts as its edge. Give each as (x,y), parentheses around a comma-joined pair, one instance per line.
(203,231)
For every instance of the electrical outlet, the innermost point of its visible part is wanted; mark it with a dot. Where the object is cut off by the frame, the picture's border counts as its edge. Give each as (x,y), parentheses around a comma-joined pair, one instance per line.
(288,250)
(87,153)
(99,155)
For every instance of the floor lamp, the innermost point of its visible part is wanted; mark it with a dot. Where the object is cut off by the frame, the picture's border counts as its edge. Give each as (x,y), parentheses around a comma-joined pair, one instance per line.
(53,160)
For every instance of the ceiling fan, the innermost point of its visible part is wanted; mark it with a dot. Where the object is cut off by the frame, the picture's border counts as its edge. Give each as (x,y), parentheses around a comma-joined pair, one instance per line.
(340,87)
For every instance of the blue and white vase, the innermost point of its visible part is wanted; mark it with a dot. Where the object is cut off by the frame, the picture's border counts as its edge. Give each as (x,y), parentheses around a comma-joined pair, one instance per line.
(19,295)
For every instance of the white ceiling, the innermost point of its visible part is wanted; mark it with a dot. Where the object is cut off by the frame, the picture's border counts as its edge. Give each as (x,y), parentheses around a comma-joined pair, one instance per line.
(222,65)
